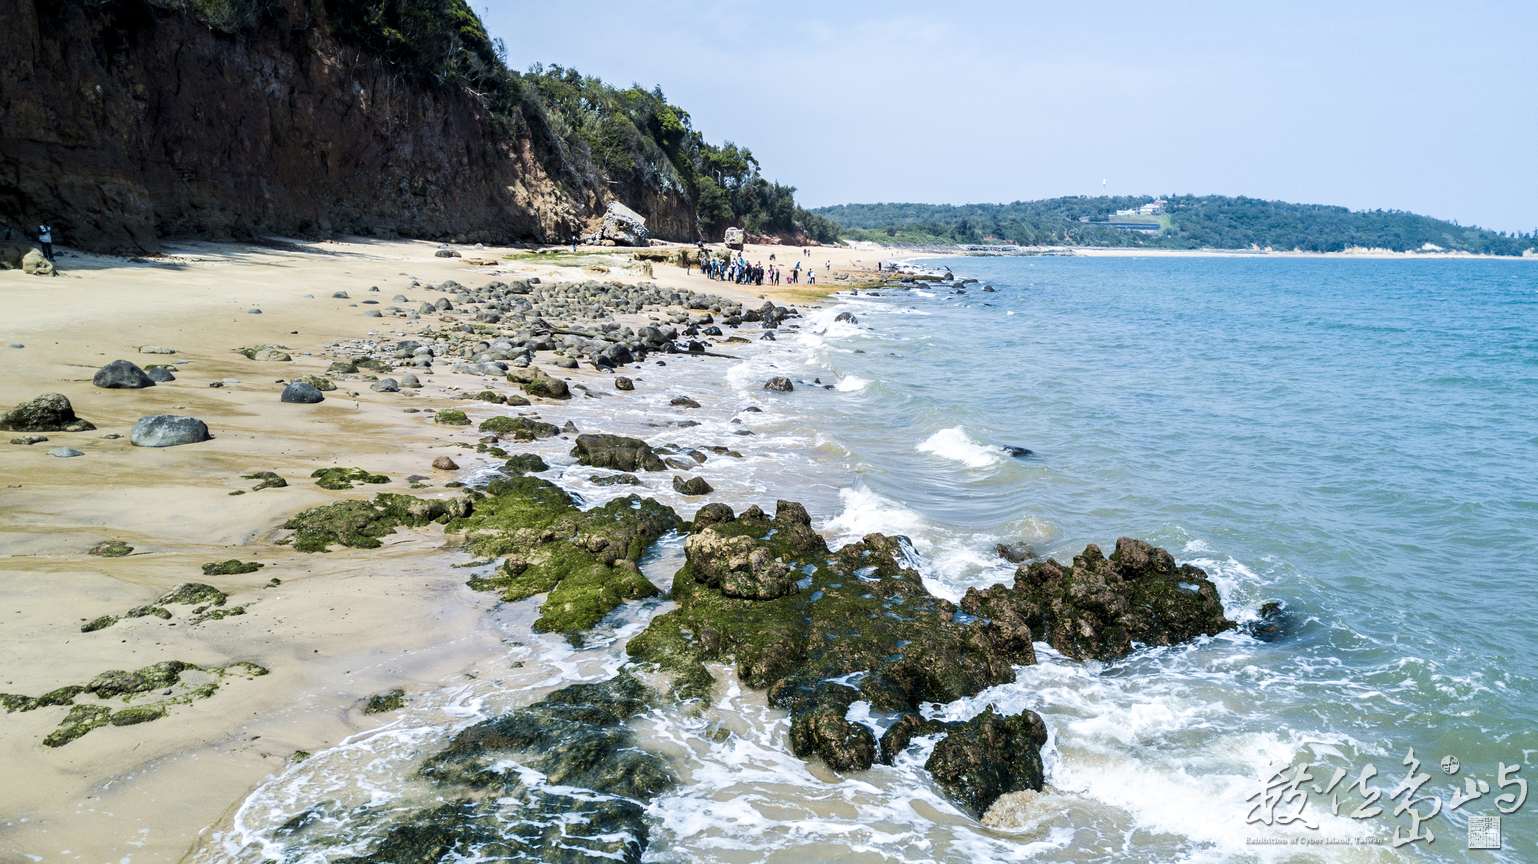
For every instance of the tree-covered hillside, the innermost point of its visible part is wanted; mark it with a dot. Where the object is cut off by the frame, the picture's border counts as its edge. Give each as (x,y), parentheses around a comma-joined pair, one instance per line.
(1190,222)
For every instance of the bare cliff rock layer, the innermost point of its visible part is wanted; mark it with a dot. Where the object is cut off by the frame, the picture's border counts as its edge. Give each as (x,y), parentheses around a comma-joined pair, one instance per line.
(125,122)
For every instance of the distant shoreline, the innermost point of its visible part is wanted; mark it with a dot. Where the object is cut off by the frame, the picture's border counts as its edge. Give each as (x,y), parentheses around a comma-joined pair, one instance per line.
(1136,252)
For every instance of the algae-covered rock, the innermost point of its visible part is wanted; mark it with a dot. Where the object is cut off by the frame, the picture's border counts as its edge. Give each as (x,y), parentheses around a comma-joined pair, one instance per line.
(385,702)
(1099,607)
(116,682)
(269,480)
(617,452)
(615,480)
(343,478)
(100,623)
(50,412)
(580,795)
(988,756)
(767,595)
(451,417)
(547,388)
(360,523)
(232,567)
(147,611)
(372,365)
(192,594)
(521,428)
(586,560)
(110,549)
(525,463)
(324,385)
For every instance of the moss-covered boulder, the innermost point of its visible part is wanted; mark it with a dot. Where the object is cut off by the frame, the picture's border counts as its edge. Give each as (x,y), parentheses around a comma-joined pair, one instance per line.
(372,365)
(617,452)
(547,388)
(588,561)
(343,478)
(360,524)
(988,756)
(520,428)
(1100,607)
(50,412)
(451,417)
(324,385)
(525,463)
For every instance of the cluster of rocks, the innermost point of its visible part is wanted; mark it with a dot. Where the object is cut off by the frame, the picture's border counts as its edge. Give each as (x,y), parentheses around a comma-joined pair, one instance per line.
(112,688)
(508,323)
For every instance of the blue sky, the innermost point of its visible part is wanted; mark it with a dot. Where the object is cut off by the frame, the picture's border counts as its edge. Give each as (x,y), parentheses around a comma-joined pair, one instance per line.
(1414,106)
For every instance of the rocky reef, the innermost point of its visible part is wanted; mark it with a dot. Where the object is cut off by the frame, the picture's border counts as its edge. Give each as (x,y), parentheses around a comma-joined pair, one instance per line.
(1103,608)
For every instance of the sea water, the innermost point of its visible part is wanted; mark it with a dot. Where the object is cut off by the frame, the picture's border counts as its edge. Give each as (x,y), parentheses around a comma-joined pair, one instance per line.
(1354,439)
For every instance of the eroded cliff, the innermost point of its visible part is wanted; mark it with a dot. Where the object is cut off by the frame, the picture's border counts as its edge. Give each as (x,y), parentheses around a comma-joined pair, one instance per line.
(126,121)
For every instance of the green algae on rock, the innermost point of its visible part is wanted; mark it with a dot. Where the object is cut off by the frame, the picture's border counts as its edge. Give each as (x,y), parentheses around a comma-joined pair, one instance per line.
(451,417)
(232,567)
(119,684)
(360,523)
(582,798)
(99,623)
(110,549)
(1100,608)
(269,480)
(768,595)
(586,560)
(384,703)
(521,428)
(524,463)
(343,478)
(617,452)
(192,594)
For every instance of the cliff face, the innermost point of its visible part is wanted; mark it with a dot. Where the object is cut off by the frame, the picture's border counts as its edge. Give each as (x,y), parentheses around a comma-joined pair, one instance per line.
(123,123)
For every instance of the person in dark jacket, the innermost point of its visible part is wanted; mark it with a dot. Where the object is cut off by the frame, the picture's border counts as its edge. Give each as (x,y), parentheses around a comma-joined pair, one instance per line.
(45,239)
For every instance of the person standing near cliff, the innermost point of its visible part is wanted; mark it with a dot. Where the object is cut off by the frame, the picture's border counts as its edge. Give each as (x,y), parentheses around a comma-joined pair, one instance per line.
(45,239)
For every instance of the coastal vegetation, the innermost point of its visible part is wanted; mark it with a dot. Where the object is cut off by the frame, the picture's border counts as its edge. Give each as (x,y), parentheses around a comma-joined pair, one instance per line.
(1187,222)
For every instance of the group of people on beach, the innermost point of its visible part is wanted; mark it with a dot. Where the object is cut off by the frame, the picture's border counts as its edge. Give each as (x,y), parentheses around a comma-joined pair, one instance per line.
(740,271)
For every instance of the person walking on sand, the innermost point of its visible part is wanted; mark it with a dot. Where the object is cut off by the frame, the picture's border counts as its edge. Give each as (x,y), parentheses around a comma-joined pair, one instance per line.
(45,239)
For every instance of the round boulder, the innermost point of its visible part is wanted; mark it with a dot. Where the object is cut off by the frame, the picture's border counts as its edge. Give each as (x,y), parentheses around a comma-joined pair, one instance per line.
(623,383)
(444,463)
(160,374)
(386,385)
(167,430)
(302,393)
(121,375)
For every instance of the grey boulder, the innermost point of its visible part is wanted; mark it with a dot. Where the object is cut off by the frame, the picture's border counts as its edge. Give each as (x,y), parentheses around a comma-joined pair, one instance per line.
(159,374)
(779,385)
(167,430)
(301,393)
(623,226)
(386,385)
(122,375)
(64,452)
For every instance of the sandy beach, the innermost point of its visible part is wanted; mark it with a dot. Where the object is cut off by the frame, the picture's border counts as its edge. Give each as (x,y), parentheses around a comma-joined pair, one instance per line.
(331,630)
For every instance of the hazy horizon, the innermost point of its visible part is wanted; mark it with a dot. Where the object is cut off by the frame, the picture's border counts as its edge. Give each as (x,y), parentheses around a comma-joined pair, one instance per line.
(1367,106)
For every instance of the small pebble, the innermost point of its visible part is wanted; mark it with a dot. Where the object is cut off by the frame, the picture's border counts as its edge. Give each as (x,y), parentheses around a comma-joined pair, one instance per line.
(253,311)
(111,436)
(232,381)
(17,345)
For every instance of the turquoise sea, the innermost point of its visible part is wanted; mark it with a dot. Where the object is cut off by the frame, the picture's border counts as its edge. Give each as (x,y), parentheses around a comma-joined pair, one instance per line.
(1356,439)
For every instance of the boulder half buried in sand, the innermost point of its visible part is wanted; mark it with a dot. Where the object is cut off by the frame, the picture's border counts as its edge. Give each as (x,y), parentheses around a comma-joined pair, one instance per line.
(121,375)
(167,430)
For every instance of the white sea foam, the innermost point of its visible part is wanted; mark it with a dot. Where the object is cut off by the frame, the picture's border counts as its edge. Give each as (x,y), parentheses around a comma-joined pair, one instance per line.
(851,384)
(956,445)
